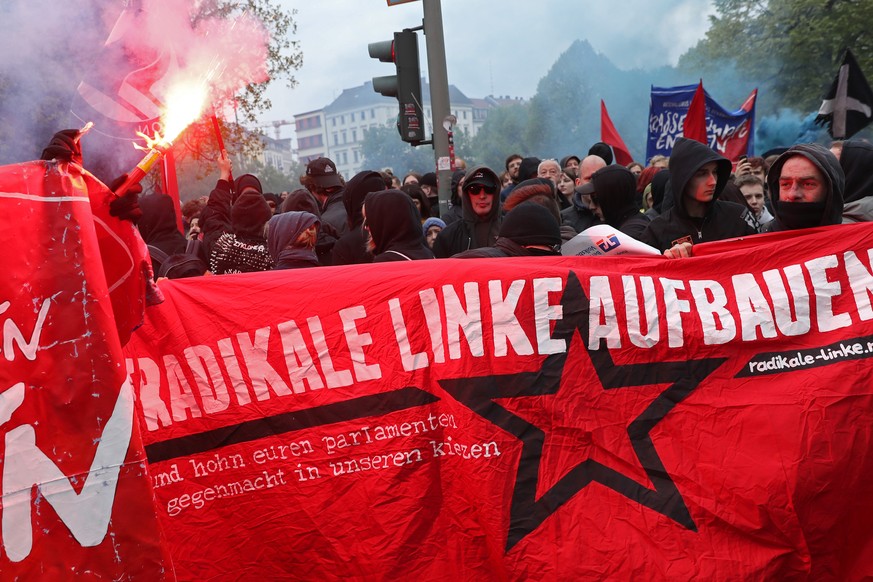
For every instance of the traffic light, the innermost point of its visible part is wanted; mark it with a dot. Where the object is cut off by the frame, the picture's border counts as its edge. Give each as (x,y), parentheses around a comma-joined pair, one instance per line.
(405,85)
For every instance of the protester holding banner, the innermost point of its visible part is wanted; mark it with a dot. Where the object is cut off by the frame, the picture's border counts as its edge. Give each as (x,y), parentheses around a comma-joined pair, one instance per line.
(528,230)
(698,175)
(481,215)
(810,183)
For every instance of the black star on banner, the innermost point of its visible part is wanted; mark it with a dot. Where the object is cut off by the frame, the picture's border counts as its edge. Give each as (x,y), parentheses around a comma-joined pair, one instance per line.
(528,510)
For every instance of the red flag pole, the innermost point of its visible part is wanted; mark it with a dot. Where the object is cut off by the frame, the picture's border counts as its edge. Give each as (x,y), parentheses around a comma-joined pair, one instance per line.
(171,186)
(218,136)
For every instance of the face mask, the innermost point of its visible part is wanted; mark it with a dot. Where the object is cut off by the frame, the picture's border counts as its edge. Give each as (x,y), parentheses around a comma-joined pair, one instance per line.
(795,215)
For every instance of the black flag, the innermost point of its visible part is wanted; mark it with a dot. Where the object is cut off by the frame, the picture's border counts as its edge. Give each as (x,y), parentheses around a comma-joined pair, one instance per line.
(848,106)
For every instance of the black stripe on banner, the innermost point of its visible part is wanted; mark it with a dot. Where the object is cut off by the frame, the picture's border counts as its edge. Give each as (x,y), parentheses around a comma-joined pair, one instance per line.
(374,405)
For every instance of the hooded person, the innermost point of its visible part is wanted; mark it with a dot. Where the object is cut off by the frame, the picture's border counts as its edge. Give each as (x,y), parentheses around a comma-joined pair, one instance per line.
(455,212)
(806,188)
(351,248)
(158,226)
(697,177)
(529,229)
(480,224)
(291,238)
(242,248)
(856,159)
(660,183)
(428,183)
(394,228)
(613,192)
(302,200)
(526,170)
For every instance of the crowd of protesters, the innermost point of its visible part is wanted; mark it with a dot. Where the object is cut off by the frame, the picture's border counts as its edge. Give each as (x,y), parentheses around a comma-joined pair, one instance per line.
(531,208)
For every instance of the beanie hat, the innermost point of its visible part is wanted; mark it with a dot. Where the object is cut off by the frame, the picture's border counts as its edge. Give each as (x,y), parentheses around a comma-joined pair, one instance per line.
(531,224)
(247,181)
(602,150)
(432,221)
(429,179)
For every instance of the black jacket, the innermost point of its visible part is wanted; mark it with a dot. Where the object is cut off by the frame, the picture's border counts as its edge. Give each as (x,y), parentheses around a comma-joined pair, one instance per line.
(721,219)
(471,232)
(615,188)
(504,247)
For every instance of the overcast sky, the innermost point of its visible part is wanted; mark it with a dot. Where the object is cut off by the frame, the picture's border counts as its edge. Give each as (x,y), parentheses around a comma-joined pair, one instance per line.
(492,47)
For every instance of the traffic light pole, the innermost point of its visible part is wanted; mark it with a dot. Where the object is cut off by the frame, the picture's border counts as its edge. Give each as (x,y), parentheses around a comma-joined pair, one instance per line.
(439,97)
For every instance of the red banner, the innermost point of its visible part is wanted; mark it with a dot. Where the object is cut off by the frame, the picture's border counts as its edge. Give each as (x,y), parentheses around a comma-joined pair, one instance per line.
(566,418)
(76,501)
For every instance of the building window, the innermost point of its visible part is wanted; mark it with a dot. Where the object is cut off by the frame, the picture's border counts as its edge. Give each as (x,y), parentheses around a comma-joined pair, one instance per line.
(357,157)
(335,138)
(345,137)
(372,114)
(342,119)
(355,136)
(353,117)
(333,121)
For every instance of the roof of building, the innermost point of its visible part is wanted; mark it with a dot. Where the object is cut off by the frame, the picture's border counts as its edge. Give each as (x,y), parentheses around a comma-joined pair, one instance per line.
(364,96)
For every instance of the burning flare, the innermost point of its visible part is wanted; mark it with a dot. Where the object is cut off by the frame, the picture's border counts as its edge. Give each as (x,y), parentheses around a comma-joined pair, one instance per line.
(184,104)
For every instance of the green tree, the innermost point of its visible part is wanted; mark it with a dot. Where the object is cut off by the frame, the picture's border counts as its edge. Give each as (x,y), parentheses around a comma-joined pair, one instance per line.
(382,148)
(500,135)
(790,48)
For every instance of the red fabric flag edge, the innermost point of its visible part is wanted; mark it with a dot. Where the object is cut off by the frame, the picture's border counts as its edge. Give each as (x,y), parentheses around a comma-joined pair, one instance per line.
(610,136)
(695,122)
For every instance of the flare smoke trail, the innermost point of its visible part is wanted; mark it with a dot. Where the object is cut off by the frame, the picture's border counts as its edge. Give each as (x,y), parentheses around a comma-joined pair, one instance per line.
(113,63)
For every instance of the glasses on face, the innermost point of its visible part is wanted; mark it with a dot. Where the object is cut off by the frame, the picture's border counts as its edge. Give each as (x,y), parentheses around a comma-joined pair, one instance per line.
(477,189)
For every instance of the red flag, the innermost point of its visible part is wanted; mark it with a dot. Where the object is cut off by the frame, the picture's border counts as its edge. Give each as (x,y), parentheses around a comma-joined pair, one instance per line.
(609,135)
(735,143)
(686,419)
(76,496)
(695,120)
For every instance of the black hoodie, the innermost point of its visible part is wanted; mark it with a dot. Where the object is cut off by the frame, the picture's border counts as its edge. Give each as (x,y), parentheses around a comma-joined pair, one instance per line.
(472,231)
(351,248)
(158,224)
(394,224)
(826,162)
(721,220)
(615,190)
(857,163)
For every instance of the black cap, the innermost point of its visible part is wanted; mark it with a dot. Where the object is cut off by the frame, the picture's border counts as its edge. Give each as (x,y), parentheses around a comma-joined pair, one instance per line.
(586,188)
(483,176)
(323,173)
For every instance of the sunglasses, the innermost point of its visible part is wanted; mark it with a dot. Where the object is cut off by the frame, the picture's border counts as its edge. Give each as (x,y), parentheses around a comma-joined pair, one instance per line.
(477,189)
